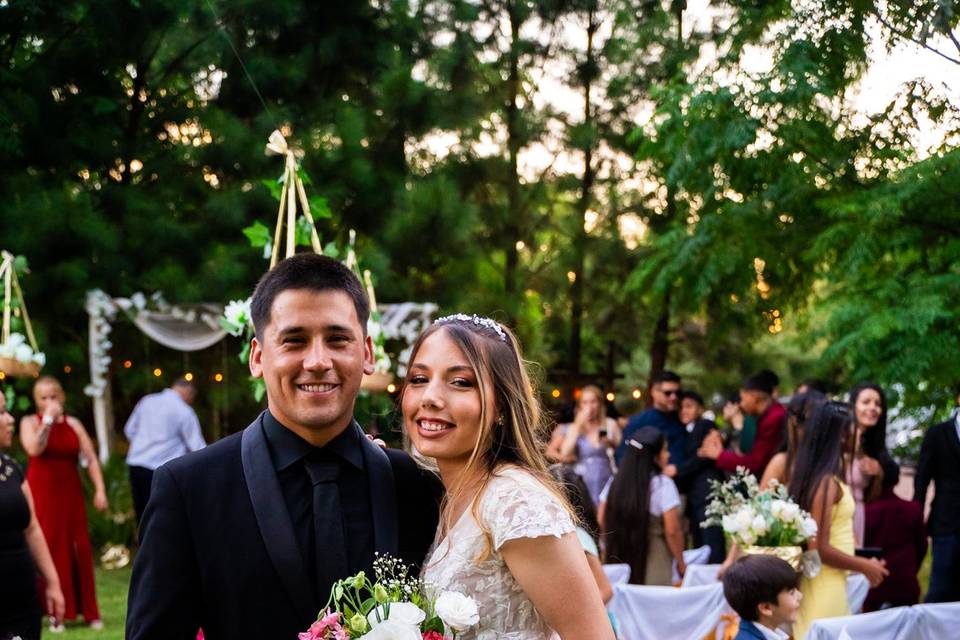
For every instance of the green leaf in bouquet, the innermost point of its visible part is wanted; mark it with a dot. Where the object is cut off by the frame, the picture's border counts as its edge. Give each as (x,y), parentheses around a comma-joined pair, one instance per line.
(367,606)
(20,265)
(258,234)
(245,352)
(304,178)
(433,624)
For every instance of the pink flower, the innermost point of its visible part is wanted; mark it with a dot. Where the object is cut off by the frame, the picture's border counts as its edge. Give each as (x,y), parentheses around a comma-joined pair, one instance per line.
(319,629)
(432,635)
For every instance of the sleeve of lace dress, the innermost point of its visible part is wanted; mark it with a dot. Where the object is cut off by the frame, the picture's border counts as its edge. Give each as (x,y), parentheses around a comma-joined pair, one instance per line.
(516,505)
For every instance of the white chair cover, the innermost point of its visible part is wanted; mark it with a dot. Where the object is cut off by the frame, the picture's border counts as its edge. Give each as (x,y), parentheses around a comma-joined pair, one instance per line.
(617,573)
(936,621)
(920,622)
(857,588)
(698,575)
(667,613)
(691,557)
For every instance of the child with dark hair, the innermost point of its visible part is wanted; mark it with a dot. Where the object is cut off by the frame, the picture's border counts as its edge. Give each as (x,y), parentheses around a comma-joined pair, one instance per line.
(640,512)
(763,590)
(895,526)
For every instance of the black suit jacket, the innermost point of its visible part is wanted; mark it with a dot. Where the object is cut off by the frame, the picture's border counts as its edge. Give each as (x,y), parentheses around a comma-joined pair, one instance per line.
(940,462)
(694,474)
(218,550)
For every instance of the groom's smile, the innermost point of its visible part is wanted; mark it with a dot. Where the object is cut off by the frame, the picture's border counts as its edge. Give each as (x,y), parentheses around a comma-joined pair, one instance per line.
(312,358)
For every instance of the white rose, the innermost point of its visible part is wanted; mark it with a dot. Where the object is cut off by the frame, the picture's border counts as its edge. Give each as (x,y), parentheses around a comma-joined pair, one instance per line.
(405,612)
(776,508)
(790,511)
(457,611)
(743,518)
(40,359)
(729,524)
(759,525)
(394,630)
(237,313)
(748,537)
(6,351)
(809,527)
(16,339)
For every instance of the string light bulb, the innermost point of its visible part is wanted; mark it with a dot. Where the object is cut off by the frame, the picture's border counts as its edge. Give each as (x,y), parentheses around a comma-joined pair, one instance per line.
(391,388)
(158,372)
(218,377)
(188,377)
(636,394)
(555,393)
(610,396)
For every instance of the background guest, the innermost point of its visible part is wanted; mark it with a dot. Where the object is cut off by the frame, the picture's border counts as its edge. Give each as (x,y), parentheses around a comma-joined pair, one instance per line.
(665,394)
(895,526)
(871,459)
(55,442)
(800,408)
(23,551)
(818,487)
(756,399)
(695,473)
(587,440)
(163,426)
(940,463)
(640,512)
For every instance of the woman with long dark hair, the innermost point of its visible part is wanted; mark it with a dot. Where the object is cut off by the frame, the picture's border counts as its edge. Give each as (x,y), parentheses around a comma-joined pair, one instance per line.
(818,485)
(640,514)
(871,461)
(799,410)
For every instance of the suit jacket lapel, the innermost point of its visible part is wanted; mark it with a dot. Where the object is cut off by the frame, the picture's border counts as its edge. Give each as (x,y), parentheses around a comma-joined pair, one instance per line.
(272,517)
(383,496)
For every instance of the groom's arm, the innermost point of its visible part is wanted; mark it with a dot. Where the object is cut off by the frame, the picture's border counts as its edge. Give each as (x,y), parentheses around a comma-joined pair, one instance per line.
(164,599)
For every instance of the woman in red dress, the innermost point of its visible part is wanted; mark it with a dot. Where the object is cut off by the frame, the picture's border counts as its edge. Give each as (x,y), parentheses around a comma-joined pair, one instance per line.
(55,441)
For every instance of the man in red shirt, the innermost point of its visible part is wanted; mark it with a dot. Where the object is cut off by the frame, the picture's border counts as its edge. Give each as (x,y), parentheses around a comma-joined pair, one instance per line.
(756,399)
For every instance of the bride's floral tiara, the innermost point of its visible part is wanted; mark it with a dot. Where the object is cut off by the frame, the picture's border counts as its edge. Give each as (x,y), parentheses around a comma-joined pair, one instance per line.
(477,320)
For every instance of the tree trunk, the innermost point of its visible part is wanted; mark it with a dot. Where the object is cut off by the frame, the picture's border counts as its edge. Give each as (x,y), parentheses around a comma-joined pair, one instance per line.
(512,225)
(586,187)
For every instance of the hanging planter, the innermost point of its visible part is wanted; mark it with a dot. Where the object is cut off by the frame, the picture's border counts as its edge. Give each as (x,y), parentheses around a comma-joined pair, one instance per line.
(19,355)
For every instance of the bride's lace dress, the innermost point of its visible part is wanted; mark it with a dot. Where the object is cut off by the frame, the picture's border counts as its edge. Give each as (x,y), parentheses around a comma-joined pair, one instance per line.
(514,505)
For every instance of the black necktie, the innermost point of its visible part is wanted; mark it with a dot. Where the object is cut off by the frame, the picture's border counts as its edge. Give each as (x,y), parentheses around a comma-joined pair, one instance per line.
(329,546)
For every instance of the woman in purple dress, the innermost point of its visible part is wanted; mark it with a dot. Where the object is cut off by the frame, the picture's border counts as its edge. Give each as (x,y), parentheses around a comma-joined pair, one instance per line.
(588,441)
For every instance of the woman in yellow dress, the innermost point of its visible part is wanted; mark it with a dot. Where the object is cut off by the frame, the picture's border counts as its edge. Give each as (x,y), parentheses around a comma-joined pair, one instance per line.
(818,487)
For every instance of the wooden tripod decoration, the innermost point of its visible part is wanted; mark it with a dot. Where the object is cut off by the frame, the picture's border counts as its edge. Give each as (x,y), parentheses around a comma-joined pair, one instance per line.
(293,192)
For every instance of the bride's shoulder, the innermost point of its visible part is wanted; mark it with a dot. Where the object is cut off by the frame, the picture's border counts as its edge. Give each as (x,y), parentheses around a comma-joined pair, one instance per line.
(516,503)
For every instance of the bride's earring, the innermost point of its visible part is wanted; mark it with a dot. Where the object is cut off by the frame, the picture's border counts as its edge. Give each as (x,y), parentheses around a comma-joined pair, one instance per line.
(499,421)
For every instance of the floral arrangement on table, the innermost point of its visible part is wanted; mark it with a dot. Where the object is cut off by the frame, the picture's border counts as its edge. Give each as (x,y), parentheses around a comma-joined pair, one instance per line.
(767,521)
(394,606)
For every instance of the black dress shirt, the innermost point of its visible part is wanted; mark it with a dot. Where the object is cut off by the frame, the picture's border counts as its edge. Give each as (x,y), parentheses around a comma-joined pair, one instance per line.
(288,451)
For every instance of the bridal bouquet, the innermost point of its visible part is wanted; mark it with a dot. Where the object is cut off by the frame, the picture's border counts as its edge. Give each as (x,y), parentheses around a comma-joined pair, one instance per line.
(767,521)
(394,606)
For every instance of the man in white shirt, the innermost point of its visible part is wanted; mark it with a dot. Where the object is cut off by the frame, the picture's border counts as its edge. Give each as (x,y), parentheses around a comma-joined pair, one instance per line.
(163,426)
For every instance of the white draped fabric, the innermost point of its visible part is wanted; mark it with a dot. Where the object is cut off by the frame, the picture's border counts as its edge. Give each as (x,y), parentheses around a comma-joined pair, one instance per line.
(920,622)
(696,608)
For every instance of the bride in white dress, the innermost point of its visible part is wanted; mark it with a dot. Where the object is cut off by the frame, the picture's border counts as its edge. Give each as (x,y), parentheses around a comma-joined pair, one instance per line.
(506,536)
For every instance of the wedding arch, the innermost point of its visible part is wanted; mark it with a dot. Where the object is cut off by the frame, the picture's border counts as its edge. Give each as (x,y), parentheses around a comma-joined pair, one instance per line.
(193,327)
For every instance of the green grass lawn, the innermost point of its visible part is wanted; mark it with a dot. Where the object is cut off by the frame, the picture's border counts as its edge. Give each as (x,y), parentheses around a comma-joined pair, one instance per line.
(112,598)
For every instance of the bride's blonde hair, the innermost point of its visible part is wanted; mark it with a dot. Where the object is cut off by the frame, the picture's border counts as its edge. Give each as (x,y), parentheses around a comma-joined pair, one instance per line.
(511,431)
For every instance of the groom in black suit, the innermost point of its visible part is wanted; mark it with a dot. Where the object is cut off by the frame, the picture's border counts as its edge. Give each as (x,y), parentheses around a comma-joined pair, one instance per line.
(245,537)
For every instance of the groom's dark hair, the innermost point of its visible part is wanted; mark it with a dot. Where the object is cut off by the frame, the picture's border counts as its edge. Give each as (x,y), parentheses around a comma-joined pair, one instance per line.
(306,271)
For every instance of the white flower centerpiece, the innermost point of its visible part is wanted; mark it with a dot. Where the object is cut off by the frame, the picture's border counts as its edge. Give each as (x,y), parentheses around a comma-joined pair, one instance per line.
(763,522)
